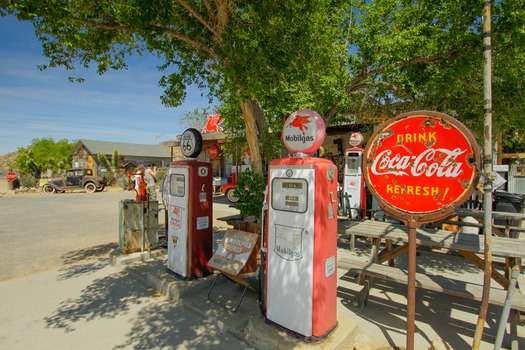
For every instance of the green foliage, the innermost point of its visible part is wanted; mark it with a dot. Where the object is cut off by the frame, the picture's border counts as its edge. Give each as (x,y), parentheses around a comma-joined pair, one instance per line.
(339,57)
(112,166)
(104,162)
(123,183)
(115,161)
(428,55)
(161,174)
(196,118)
(277,54)
(28,181)
(270,147)
(43,154)
(250,191)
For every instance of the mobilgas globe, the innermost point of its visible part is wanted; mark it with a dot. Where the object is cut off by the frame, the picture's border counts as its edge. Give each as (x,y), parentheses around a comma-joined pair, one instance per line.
(304,131)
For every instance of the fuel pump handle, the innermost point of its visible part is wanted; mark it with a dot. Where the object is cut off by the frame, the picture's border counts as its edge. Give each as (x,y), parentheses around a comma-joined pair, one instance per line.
(263,219)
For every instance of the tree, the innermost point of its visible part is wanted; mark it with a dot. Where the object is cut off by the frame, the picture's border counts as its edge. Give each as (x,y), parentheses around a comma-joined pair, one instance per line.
(196,118)
(409,55)
(256,51)
(43,154)
(340,57)
(113,166)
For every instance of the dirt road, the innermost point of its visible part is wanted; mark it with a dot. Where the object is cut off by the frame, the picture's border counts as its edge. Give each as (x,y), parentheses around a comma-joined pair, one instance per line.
(39,232)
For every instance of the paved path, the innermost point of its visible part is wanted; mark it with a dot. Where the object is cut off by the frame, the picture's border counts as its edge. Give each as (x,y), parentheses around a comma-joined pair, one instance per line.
(93,306)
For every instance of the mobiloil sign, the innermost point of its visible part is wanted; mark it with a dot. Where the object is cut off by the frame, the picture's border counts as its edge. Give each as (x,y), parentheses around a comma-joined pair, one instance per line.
(190,210)
(301,259)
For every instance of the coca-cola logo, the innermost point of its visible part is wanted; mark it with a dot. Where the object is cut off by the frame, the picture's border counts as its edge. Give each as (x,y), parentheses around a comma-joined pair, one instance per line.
(421,163)
(440,162)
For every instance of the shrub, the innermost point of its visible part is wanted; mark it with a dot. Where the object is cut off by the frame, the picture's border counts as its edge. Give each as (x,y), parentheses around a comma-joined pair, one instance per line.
(250,191)
(28,181)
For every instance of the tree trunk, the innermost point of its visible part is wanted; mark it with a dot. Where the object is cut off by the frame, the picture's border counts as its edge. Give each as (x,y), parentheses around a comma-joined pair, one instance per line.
(255,122)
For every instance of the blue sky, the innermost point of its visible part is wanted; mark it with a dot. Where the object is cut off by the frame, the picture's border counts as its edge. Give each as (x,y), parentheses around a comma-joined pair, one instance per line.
(119,106)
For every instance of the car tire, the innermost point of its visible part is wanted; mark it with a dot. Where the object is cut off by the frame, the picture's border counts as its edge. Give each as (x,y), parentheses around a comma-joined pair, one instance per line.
(48,189)
(90,187)
(100,188)
(230,195)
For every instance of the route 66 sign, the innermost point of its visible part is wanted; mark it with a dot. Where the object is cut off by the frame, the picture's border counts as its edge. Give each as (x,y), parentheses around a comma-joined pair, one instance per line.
(191,143)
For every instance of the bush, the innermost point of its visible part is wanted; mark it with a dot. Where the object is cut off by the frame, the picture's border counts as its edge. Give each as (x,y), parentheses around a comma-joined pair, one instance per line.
(123,183)
(250,191)
(28,181)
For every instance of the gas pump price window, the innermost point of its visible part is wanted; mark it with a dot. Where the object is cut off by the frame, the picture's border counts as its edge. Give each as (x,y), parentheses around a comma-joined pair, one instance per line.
(290,195)
(177,185)
(352,163)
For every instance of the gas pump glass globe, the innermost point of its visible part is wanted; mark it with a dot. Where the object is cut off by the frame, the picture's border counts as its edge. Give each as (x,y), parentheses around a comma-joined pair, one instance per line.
(304,132)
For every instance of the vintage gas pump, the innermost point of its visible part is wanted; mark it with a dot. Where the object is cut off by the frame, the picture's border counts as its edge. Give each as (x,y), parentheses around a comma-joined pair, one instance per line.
(301,278)
(189,186)
(354,195)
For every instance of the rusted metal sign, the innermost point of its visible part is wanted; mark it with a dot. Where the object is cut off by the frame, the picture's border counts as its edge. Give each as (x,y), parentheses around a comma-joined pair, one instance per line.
(421,165)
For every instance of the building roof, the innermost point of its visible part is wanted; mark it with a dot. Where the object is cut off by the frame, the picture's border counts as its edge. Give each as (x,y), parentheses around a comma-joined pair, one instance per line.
(124,149)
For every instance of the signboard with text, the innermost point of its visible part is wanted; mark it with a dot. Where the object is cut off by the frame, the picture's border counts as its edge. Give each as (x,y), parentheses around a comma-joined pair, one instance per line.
(233,254)
(421,165)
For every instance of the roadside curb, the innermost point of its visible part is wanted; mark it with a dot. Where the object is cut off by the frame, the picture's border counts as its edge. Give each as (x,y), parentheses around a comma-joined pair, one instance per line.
(117,259)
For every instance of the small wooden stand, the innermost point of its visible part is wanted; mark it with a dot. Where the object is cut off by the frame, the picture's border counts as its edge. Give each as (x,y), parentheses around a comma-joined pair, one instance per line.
(236,258)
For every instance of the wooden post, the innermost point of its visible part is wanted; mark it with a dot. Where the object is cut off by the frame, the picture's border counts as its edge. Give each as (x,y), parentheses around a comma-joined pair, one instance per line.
(411,286)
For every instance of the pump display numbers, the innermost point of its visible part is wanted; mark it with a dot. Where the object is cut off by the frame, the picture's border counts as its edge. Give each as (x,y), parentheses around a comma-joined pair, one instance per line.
(290,194)
(292,185)
(177,185)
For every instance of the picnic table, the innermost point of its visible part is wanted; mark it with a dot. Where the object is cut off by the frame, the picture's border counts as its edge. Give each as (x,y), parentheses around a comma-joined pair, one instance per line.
(390,240)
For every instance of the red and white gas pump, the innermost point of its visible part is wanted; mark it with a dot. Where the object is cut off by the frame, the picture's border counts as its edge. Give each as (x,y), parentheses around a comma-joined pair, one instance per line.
(301,278)
(189,187)
(354,199)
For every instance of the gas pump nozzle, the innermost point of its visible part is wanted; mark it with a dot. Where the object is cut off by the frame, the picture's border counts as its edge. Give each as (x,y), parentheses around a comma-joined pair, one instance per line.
(263,217)
(262,268)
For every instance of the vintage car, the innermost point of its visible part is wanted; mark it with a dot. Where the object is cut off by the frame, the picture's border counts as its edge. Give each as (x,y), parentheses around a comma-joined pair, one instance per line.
(229,191)
(76,179)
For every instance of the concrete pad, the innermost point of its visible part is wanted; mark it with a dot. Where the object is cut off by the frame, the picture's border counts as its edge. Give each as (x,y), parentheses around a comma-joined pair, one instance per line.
(247,323)
(263,336)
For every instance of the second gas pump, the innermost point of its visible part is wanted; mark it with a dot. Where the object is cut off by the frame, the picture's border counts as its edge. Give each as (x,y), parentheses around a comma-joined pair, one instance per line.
(354,198)
(301,240)
(188,192)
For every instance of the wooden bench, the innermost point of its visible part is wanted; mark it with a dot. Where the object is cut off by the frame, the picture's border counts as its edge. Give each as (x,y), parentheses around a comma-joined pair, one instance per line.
(430,282)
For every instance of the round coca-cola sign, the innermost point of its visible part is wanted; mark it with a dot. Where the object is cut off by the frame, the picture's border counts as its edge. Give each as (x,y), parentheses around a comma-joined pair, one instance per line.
(421,165)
